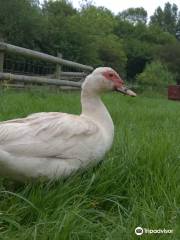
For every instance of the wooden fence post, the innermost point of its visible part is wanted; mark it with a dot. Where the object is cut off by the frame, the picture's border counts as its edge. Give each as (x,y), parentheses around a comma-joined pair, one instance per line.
(1,60)
(1,56)
(58,67)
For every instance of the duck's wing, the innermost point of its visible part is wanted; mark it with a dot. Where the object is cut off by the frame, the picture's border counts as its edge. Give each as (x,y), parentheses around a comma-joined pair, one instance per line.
(45,134)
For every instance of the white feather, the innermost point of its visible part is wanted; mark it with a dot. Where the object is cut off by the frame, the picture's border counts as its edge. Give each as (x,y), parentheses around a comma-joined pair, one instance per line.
(55,144)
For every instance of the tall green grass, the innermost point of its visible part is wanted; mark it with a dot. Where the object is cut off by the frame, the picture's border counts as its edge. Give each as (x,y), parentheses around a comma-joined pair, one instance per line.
(137,184)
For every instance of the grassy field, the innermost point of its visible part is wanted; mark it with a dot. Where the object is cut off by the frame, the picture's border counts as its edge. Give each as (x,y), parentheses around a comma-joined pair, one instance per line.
(138,183)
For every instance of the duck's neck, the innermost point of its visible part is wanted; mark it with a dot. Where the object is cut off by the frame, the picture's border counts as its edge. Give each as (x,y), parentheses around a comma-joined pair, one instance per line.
(93,107)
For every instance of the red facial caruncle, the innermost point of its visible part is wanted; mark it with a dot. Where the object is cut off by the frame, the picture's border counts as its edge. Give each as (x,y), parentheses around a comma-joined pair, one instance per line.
(118,83)
(114,77)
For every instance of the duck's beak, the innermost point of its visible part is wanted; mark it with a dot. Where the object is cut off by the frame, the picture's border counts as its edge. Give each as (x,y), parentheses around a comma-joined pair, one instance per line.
(120,87)
(126,91)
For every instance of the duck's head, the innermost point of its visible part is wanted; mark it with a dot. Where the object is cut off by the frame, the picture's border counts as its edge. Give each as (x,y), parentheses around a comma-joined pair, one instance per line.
(105,79)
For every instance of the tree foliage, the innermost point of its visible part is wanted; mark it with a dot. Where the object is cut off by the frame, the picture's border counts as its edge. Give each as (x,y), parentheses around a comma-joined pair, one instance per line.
(134,15)
(21,22)
(94,35)
(169,54)
(155,74)
(167,18)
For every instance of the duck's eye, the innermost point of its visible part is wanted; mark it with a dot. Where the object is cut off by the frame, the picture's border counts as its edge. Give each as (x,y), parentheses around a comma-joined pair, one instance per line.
(110,74)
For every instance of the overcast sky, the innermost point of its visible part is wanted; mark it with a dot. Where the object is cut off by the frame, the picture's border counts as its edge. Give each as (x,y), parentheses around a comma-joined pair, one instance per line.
(120,5)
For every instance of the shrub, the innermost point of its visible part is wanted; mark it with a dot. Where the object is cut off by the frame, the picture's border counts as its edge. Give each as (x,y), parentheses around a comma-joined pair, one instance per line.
(155,74)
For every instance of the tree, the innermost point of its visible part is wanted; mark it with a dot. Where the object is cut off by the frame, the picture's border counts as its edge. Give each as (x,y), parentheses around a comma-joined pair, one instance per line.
(169,54)
(134,15)
(167,19)
(56,15)
(91,39)
(140,43)
(86,4)
(21,23)
(155,74)
(112,54)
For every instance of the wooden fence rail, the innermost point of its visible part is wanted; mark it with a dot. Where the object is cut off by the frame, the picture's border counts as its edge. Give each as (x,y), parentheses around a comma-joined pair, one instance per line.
(40,80)
(5,47)
(54,79)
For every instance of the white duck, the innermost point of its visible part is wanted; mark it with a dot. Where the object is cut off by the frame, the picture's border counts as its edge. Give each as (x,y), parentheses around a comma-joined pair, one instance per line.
(53,145)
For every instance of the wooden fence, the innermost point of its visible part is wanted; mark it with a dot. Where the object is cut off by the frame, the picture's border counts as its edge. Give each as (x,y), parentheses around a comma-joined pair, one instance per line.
(59,78)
